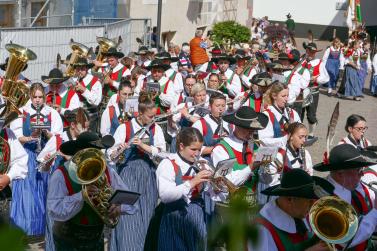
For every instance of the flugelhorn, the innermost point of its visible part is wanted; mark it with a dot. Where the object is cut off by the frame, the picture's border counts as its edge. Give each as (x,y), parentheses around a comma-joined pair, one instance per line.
(104,45)
(15,92)
(78,50)
(87,167)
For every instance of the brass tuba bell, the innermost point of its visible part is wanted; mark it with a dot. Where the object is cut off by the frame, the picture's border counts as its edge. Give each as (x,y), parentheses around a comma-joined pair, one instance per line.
(333,220)
(78,50)
(15,92)
(104,45)
(87,167)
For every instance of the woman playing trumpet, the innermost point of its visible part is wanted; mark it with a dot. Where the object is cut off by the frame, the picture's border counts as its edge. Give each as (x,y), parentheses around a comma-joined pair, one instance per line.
(138,172)
(294,155)
(180,184)
(29,201)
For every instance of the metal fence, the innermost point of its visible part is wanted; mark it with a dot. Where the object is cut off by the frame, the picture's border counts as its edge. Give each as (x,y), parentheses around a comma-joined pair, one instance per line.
(48,42)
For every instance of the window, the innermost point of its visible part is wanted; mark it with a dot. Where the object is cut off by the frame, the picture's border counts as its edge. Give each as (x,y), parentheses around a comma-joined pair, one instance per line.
(6,15)
(35,8)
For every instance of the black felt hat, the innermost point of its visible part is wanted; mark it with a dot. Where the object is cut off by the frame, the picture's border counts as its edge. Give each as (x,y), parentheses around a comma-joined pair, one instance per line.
(344,157)
(83,62)
(262,79)
(294,56)
(157,63)
(5,64)
(55,76)
(283,56)
(246,117)
(86,140)
(142,50)
(311,46)
(298,183)
(113,52)
(241,54)
(223,56)
(166,56)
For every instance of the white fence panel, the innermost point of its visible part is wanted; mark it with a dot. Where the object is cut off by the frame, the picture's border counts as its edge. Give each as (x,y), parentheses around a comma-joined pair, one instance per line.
(47,43)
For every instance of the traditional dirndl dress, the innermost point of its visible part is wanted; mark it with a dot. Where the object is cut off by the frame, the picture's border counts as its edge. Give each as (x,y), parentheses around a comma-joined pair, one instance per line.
(183,225)
(139,173)
(373,84)
(352,82)
(332,67)
(363,71)
(29,195)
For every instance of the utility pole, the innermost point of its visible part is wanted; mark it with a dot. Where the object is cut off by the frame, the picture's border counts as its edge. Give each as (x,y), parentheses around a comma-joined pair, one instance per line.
(159,11)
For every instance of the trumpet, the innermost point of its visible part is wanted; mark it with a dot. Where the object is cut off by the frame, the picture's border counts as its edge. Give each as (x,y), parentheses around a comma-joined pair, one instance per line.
(45,166)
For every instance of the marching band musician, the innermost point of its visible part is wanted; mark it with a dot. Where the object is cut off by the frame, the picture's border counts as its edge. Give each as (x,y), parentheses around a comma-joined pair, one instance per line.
(356,126)
(294,155)
(174,76)
(76,225)
(114,72)
(246,74)
(89,90)
(20,77)
(114,114)
(280,222)
(318,76)
(30,203)
(165,97)
(188,83)
(144,59)
(58,95)
(279,117)
(137,140)
(237,145)
(17,169)
(297,79)
(212,126)
(346,165)
(230,81)
(180,185)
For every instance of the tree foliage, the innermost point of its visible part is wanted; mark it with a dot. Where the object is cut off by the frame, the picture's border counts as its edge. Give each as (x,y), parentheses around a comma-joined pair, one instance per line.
(229,33)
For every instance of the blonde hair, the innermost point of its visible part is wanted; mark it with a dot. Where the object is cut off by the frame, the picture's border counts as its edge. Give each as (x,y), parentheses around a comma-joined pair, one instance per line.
(273,90)
(37,87)
(196,88)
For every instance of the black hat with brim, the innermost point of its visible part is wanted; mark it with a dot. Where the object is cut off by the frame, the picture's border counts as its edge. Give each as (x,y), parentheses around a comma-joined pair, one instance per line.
(262,79)
(223,56)
(55,76)
(283,56)
(241,54)
(166,56)
(113,52)
(142,50)
(5,64)
(311,47)
(276,65)
(246,117)
(344,157)
(157,63)
(294,56)
(86,140)
(298,183)
(83,62)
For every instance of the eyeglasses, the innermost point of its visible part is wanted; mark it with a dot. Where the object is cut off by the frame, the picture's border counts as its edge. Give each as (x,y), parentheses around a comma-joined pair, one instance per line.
(361,129)
(128,94)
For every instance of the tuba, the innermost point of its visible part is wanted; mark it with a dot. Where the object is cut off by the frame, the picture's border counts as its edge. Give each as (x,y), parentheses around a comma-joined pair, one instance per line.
(78,50)
(104,45)
(87,167)
(333,220)
(16,93)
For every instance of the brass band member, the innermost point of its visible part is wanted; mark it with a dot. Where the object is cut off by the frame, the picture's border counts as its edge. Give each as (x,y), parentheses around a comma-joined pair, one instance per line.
(89,90)
(174,76)
(280,222)
(76,225)
(279,117)
(29,211)
(244,68)
(138,140)
(346,165)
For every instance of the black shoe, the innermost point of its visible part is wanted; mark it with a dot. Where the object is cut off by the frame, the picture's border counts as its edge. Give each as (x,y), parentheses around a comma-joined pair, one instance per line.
(310,140)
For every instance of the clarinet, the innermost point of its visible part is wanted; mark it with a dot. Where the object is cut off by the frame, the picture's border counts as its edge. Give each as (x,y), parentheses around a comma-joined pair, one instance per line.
(39,141)
(303,157)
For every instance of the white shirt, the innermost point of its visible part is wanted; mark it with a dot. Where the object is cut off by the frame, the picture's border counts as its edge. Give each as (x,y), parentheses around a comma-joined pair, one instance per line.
(369,221)
(117,68)
(120,138)
(106,120)
(63,207)
(56,121)
(94,96)
(213,124)
(323,76)
(233,85)
(246,78)
(18,158)
(267,134)
(178,80)
(237,177)
(296,83)
(374,64)
(167,96)
(73,104)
